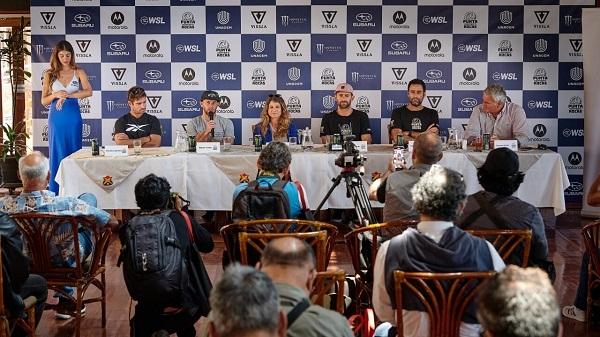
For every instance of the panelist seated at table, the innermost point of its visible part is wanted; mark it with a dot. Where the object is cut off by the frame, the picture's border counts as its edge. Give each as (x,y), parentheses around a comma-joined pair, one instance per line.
(210,127)
(497,116)
(414,118)
(137,124)
(275,121)
(345,120)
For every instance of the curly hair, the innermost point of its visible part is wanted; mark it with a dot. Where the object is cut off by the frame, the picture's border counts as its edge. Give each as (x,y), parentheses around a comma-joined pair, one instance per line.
(274,157)
(152,192)
(284,119)
(438,193)
(55,66)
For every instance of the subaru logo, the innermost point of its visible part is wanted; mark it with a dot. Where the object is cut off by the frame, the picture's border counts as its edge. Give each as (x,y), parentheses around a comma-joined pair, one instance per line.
(576,186)
(399,45)
(118,46)
(153,74)
(364,17)
(188,102)
(539,130)
(468,102)
(82,18)
(433,74)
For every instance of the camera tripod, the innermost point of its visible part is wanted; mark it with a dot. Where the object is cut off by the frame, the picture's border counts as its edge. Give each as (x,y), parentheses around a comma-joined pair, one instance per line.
(356,191)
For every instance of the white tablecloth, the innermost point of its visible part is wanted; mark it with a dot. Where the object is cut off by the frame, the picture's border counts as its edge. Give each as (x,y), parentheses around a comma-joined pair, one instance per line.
(208,181)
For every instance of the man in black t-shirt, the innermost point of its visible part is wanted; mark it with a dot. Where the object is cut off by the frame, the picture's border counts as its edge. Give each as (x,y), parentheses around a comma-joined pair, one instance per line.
(137,124)
(345,120)
(412,119)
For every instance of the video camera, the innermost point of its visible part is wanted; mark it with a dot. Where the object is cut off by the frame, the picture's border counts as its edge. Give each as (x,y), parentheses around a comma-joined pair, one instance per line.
(350,156)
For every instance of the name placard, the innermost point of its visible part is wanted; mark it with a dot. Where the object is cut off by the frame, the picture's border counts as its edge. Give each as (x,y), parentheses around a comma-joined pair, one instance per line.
(208,147)
(361,145)
(509,143)
(115,150)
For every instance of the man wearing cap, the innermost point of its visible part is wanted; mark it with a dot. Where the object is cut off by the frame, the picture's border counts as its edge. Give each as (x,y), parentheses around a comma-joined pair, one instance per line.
(137,124)
(210,127)
(413,119)
(345,120)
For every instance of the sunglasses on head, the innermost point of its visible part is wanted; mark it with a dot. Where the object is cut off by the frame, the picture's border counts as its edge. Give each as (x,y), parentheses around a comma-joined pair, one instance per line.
(274,95)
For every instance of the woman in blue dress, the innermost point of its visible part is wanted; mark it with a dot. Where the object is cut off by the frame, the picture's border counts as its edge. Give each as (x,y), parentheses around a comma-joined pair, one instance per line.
(63,85)
(275,123)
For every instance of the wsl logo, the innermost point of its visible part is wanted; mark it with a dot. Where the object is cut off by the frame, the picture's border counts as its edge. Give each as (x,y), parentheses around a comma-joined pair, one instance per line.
(187,48)
(223,49)
(83,46)
(399,76)
(541,46)
(539,133)
(575,105)
(118,74)
(399,18)
(153,48)
(434,20)
(469,76)
(259,77)
(541,17)
(469,48)
(470,20)
(362,103)
(294,45)
(327,77)
(48,17)
(505,49)
(572,133)
(540,77)
(223,77)
(434,46)
(399,48)
(539,104)
(153,20)
(329,16)
(187,21)
(294,105)
(117,19)
(576,46)
(258,17)
(498,76)
(364,45)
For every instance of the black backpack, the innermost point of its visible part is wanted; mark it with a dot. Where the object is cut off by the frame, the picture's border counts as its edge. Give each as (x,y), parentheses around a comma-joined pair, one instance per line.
(262,202)
(154,267)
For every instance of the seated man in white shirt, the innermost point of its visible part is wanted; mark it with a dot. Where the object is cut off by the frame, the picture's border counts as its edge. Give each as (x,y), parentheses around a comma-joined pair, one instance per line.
(435,246)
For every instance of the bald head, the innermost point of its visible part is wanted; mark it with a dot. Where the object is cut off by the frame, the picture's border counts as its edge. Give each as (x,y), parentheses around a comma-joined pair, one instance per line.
(288,252)
(427,148)
(33,167)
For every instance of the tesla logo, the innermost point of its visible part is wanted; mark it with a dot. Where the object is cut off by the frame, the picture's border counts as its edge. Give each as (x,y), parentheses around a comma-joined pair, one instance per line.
(224,102)
(329,15)
(153,46)
(47,17)
(434,45)
(364,17)
(118,46)
(399,17)
(399,73)
(433,74)
(574,158)
(541,15)
(364,45)
(294,44)
(154,101)
(188,102)
(117,18)
(434,101)
(83,45)
(118,73)
(153,74)
(468,102)
(539,130)
(469,74)
(188,74)
(575,44)
(82,18)
(258,16)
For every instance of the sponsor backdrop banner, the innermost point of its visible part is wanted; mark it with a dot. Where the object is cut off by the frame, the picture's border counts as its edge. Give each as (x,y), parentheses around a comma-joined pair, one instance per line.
(591,171)
(246,49)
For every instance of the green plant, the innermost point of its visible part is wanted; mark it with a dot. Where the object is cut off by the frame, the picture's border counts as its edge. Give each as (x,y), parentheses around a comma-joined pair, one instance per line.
(14,143)
(13,51)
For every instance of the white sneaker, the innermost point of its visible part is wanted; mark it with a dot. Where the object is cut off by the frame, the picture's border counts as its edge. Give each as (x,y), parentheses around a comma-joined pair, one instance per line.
(572,312)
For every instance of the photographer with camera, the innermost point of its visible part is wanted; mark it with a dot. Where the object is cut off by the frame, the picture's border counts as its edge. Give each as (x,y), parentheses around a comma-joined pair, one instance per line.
(345,120)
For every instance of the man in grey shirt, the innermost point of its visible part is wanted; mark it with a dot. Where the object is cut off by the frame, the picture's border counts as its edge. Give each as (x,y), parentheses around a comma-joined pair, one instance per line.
(210,127)
(498,117)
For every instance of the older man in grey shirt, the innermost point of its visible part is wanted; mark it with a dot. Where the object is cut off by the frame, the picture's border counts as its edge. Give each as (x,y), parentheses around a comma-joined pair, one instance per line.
(210,127)
(498,117)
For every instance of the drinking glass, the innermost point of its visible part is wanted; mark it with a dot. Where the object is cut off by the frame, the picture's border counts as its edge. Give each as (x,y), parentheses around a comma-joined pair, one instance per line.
(137,146)
(227,141)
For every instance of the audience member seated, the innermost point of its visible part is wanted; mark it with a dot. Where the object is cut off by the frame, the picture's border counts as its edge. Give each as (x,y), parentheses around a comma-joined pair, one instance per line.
(273,174)
(496,208)
(137,124)
(34,173)
(275,121)
(435,246)
(178,314)
(393,188)
(290,263)
(519,303)
(244,304)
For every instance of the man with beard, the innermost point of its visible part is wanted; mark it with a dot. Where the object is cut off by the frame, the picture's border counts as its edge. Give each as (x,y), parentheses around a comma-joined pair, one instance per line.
(413,119)
(210,127)
(345,120)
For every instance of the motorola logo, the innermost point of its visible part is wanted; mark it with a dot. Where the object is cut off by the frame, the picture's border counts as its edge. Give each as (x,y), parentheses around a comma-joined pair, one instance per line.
(154,101)
(539,130)
(117,46)
(434,101)
(153,46)
(117,18)
(399,17)
(83,45)
(433,74)
(399,45)
(118,73)
(188,102)
(82,18)
(469,74)
(188,74)
(574,158)
(48,17)
(329,16)
(434,45)
(224,102)
(468,102)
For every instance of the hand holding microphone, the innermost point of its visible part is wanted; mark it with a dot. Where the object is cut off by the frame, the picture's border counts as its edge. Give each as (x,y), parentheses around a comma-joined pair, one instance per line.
(211,116)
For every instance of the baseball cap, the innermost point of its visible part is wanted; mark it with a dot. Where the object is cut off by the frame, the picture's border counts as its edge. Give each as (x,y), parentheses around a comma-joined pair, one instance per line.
(344,87)
(209,94)
(501,162)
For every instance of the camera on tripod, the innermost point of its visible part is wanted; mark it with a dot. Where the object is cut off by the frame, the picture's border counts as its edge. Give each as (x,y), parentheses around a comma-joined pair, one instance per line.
(350,156)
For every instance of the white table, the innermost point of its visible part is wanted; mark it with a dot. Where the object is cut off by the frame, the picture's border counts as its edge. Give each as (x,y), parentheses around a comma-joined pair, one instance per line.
(208,181)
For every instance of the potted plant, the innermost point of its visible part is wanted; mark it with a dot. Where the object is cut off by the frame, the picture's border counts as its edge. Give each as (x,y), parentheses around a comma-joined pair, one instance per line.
(13,50)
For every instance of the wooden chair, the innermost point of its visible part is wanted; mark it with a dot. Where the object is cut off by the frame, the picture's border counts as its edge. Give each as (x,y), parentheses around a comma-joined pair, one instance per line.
(363,244)
(7,323)
(230,233)
(591,239)
(327,282)
(38,229)
(507,241)
(445,297)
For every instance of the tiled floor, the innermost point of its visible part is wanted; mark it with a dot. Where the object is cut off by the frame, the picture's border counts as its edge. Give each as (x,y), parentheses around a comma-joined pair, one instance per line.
(565,246)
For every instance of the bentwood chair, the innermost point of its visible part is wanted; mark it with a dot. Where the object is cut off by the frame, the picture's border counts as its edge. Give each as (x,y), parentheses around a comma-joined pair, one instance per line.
(513,245)
(326,283)
(8,322)
(38,229)
(591,239)
(445,297)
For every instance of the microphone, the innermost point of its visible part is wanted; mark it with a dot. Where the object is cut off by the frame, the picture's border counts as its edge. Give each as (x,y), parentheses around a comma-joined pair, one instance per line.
(211,115)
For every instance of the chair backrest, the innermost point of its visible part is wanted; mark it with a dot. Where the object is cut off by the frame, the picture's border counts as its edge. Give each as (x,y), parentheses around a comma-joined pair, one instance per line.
(591,239)
(253,244)
(327,282)
(508,242)
(38,229)
(4,324)
(230,233)
(445,297)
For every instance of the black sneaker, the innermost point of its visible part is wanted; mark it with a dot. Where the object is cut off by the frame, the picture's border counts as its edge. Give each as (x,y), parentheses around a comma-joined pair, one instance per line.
(66,309)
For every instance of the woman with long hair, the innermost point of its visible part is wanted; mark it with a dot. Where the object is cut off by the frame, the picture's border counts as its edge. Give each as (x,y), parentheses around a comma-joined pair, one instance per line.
(63,85)
(275,121)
